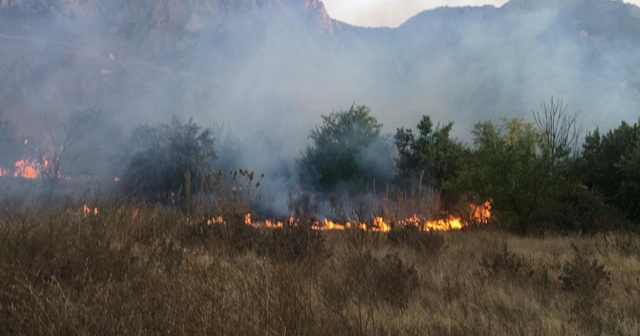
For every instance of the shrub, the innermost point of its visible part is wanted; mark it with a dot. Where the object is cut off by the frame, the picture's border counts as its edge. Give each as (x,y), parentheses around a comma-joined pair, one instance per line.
(396,281)
(503,262)
(584,276)
(370,279)
(427,242)
(293,243)
(159,157)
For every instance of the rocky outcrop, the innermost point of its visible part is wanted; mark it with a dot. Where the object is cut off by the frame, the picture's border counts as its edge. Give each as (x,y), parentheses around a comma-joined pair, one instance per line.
(174,12)
(156,28)
(317,11)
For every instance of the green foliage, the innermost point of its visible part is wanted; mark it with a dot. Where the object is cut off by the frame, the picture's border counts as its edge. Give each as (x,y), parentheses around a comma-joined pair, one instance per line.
(160,158)
(525,171)
(610,165)
(431,154)
(347,148)
(507,168)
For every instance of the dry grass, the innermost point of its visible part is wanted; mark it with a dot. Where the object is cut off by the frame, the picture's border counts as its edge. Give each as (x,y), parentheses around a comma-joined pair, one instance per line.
(141,270)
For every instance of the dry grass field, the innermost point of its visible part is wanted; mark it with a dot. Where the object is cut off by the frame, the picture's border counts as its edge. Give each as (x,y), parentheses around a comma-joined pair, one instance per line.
(134,269)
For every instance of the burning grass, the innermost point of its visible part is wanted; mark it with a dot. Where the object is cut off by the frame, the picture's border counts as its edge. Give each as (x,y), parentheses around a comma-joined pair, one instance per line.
(139,269)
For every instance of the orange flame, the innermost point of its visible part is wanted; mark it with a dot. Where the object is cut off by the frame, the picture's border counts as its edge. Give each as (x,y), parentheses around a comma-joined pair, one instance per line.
(27,168)
(30,168)
(481,213)
(478,213)
(88,211)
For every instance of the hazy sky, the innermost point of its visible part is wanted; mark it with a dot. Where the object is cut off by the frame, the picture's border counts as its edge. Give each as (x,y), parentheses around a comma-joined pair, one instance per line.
(392,13)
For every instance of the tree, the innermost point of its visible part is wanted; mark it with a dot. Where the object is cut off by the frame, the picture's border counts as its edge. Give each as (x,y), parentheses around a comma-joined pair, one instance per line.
(560,129)
(506,169)
(161,157)
(609,165)
(432,154)
(66,148)
(346,148)
(531,189)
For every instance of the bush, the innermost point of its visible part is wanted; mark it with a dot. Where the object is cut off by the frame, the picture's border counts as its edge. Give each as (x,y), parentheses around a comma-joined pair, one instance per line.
(505,263)
(367,280)
(161,157)
(427,242)
(575,208)
(590,284)
(396,281)
(293,243)
(584,276)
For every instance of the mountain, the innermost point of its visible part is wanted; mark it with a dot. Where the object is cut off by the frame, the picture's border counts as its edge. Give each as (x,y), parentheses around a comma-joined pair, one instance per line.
(160,27)
(484,62)
(269,68)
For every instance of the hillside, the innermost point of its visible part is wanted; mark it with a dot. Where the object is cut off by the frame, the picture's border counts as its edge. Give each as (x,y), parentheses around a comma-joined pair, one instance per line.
(269,68)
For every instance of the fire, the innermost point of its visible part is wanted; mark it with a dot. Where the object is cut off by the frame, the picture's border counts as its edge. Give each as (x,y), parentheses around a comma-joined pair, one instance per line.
(451,223)
(217,220)
(28,168)
(89,211)
(25,167)
(480,214)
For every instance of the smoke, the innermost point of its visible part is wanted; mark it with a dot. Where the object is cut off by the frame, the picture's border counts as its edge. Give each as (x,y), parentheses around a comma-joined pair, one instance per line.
(391,13)
(264,73)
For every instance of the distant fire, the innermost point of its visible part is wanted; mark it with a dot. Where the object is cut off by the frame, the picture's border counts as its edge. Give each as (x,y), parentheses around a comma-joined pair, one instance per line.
(29,168)
(480,214)
(89,211)
(26,167)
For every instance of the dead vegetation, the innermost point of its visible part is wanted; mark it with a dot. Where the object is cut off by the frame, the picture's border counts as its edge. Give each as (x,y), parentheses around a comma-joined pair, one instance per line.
(141,269)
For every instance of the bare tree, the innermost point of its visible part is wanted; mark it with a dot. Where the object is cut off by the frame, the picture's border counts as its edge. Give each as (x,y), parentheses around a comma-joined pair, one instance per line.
(65,149)
(559,127)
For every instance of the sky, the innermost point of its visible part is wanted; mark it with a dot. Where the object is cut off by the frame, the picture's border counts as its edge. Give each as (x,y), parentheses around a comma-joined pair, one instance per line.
(392,13)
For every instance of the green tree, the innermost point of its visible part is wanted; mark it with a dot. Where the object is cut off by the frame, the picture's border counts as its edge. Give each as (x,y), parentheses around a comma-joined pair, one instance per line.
(506,169)
(347,147)
(431,154)
(159,157)
(528,179)
(609,165)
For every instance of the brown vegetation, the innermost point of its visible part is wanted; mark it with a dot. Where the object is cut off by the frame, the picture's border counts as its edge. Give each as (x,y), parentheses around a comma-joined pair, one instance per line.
(146,270)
